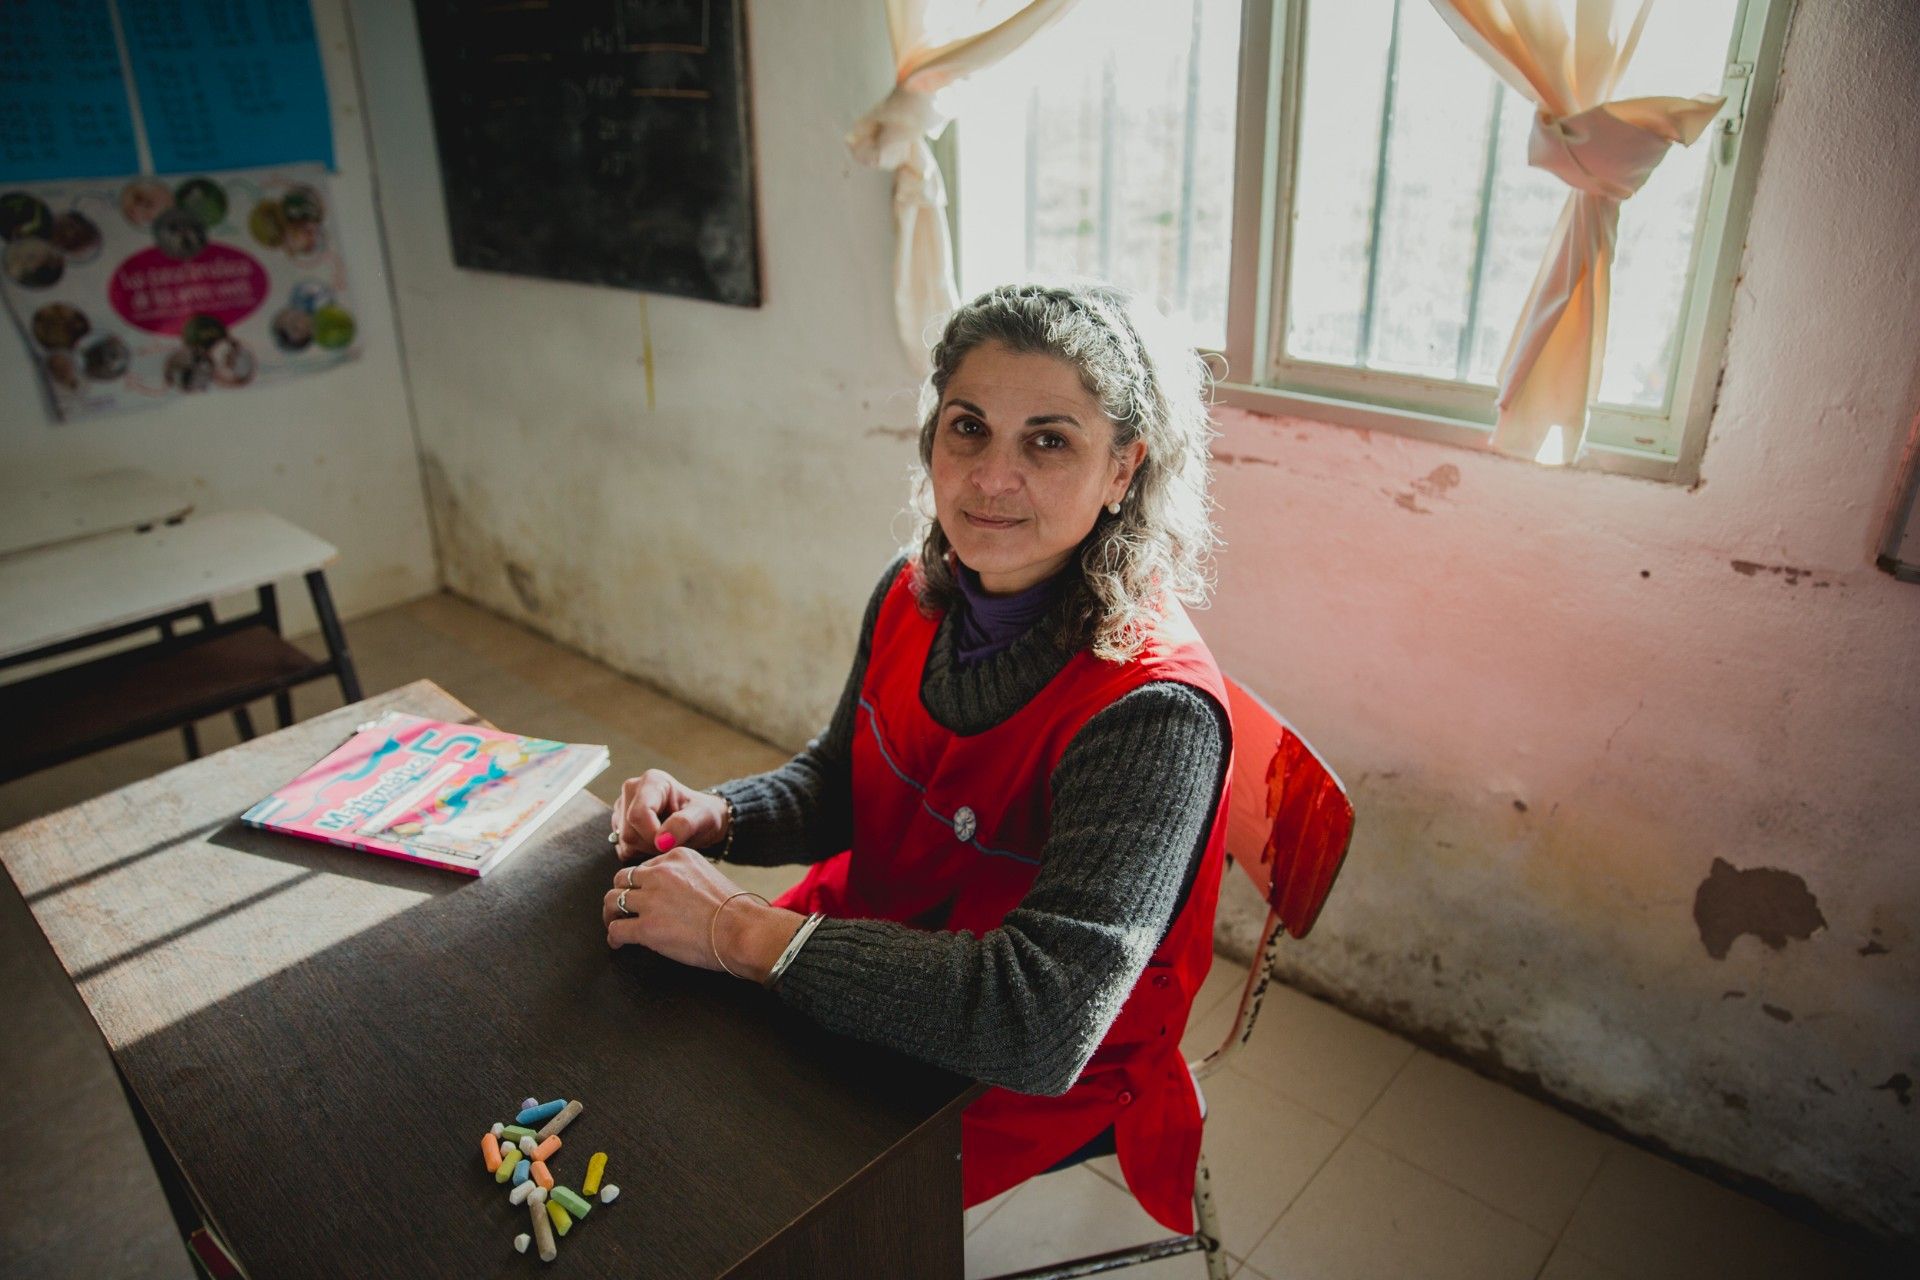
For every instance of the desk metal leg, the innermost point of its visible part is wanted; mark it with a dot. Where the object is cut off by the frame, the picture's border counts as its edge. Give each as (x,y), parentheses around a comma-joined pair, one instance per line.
(270,614)
(336,639)
(189,736)
(186,1214)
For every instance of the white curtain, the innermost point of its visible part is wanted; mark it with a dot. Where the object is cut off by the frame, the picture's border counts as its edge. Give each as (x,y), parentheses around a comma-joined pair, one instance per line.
(935,43)
(1604,151)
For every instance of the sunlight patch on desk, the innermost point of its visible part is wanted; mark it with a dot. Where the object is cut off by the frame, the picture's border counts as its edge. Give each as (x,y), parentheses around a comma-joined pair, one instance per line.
(221,928)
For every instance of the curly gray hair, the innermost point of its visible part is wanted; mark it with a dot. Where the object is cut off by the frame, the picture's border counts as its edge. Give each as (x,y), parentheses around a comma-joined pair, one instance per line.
(1155,389)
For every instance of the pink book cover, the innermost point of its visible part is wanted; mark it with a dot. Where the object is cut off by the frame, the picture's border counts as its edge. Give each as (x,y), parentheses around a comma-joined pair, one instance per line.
(449,795)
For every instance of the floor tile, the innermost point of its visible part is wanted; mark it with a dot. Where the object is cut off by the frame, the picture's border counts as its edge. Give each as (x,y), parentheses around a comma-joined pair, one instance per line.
(1065,1215)
(1214,1006)
(1565,1264)
(1370,1215)
(1522,1157)
(1654,1220)
(1326,1060)
(1261,1150)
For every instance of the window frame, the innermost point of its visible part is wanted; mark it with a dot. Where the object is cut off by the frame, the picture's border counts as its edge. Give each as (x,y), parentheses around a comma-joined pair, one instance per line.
(1266,150)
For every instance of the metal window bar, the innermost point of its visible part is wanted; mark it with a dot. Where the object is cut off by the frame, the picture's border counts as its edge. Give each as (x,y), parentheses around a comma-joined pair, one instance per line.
(1033,171)
(1189,144)
(1379,190)
(1481,219)
(1109,160)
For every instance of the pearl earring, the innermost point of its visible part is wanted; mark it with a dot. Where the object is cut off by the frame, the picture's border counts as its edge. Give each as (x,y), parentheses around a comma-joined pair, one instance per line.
(1113,508)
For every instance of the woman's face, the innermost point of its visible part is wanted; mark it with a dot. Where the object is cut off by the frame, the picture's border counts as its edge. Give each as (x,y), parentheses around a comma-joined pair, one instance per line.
(1022,463)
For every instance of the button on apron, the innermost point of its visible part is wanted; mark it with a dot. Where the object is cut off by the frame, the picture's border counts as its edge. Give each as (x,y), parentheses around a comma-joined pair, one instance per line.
(964,822)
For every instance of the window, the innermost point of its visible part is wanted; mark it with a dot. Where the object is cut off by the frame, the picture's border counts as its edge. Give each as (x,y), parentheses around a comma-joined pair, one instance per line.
(1364,253)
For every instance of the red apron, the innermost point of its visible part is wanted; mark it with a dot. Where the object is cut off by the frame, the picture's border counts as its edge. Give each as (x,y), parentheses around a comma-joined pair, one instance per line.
(947,834)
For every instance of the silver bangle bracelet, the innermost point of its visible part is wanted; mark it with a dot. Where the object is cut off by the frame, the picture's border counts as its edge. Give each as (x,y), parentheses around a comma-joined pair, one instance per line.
(798,941)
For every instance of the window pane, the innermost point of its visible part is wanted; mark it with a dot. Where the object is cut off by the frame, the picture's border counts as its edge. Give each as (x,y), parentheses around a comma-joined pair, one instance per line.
(1105,149)
(1682,52)
(1340,95)
(1416,256)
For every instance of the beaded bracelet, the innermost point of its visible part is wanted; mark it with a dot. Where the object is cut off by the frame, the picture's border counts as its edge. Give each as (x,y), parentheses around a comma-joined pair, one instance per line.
(726,845)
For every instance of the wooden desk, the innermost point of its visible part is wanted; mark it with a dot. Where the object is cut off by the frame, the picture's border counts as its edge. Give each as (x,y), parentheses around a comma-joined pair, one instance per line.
(75,595)
(319,1037)
(40,513)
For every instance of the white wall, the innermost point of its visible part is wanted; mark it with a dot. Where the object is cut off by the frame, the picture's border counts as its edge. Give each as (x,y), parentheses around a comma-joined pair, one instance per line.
(333,453)
(1558,696)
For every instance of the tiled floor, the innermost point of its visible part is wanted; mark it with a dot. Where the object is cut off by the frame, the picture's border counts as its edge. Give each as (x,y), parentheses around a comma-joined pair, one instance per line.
(1339,1151)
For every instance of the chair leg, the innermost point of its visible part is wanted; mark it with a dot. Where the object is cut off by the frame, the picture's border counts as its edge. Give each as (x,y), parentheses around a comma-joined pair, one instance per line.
(1207,1222)
(243,723)
(191,737)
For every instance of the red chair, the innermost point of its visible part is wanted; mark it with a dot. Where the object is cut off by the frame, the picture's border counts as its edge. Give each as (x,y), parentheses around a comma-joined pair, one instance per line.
(1288,827)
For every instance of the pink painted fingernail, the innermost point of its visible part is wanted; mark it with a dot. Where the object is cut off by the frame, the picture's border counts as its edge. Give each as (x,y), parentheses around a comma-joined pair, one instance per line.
(663,841)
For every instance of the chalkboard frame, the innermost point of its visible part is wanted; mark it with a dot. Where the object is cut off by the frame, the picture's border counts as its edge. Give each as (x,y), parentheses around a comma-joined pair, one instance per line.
(605,144)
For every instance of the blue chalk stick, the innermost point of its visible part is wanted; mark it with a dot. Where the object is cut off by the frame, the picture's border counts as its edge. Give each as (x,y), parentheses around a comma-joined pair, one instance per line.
(534,1117)
(522,1171)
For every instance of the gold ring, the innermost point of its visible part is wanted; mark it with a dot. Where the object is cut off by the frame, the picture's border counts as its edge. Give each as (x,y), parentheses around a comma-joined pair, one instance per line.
(620,903)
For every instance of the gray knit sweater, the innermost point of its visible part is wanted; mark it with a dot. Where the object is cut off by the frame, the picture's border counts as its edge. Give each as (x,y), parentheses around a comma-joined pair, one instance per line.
(1026,1005)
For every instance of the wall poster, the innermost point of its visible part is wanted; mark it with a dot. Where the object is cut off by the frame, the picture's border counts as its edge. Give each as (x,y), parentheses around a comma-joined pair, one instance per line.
(133,291)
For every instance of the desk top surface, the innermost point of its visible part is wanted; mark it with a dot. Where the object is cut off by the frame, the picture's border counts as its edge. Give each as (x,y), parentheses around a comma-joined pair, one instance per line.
(56,593)
(38,513)
(321,1036)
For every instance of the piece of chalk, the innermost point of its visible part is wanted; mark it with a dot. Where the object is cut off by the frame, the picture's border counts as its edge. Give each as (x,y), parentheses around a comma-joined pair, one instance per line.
(561,1119)
(538,1195)
(529,1102)
(546,1111)
(545,1150)
(542,1231)
(562,1220)
(497,1127)
(596,1169)
(490,1151)
(527,1145)
(521,1241)
(541,1175)
(508,1158)
(511,1134)
(520,1193)
(521,1172)
(571,1202)
(609,1193)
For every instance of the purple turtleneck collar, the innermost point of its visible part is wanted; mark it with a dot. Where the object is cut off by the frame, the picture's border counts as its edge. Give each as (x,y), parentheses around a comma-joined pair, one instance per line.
(992,623)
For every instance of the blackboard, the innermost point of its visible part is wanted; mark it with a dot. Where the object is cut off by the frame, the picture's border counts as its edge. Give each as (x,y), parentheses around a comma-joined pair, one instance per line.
(601,141)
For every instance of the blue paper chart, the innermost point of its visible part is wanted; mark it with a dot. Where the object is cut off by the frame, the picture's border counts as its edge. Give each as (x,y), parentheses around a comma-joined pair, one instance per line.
(219,84)
(63,100)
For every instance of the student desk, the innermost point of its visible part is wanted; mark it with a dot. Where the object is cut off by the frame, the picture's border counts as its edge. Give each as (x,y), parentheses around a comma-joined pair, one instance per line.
(77,594)
(40,513)
(314,1040)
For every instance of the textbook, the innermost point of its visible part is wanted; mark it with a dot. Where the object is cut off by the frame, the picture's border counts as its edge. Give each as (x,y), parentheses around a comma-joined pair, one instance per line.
(448,795)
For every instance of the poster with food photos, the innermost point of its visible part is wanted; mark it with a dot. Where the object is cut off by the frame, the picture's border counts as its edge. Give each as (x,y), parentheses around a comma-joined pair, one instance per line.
(134,291)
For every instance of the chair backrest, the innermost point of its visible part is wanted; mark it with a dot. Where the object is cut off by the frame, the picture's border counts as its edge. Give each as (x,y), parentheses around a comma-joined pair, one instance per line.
(1290,821)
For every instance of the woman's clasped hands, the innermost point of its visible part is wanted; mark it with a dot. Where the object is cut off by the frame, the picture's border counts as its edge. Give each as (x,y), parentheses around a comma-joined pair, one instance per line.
(672,900)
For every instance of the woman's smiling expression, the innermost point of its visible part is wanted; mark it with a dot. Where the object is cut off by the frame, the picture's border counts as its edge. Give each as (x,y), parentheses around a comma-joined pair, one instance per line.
(1022,462)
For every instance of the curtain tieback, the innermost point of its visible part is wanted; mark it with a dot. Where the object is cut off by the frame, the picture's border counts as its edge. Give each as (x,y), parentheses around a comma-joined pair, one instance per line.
(1612,149)
(892,133)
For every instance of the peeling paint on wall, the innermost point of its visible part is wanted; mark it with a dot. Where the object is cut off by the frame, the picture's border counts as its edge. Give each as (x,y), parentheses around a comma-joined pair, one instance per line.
(1770,904)
(1752,568)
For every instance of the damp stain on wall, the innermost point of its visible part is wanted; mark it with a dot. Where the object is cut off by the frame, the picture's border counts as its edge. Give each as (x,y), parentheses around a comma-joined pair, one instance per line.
(1771,904)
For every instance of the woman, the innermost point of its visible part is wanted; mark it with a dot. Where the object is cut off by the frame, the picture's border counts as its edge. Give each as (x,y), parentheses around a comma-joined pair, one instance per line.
(1014,819)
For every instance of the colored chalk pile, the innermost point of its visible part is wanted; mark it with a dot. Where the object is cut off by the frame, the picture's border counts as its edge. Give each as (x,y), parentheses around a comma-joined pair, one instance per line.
(520,1155)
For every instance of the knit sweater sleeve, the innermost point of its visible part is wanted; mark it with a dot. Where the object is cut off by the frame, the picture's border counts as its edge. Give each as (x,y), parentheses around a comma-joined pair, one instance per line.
(1025,1005)
(802,812)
